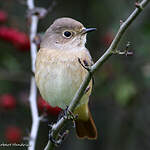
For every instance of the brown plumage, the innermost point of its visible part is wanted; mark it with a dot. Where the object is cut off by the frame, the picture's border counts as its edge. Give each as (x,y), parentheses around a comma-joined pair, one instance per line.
(85,126)
(86,129)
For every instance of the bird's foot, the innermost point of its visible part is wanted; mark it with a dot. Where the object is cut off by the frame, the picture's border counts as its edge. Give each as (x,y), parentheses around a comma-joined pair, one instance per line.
(69,114)
(58,140)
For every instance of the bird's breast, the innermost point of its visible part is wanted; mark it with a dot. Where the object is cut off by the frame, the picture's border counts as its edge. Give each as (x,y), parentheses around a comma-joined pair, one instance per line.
(58,76)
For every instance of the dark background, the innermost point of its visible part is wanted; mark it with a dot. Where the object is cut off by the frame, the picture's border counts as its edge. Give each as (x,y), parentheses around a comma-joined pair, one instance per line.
(120,101)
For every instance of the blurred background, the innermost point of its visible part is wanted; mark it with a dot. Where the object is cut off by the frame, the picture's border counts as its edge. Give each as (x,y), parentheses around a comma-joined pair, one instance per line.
(120,101)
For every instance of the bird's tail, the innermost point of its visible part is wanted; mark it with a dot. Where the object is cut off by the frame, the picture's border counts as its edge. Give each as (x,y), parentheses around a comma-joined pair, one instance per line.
(86,129)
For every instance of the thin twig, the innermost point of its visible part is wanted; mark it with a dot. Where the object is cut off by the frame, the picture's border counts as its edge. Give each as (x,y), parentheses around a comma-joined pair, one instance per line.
(33,89)
(57,126)
(35,117)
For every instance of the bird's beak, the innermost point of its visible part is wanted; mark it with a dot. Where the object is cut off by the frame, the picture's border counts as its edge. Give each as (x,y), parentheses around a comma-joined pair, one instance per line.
(87,30)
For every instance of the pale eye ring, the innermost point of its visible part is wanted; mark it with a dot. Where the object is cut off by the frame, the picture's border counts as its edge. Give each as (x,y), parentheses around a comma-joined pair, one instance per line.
(67,34)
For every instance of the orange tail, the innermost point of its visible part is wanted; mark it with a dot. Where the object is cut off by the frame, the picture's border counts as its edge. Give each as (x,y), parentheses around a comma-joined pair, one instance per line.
(86,129)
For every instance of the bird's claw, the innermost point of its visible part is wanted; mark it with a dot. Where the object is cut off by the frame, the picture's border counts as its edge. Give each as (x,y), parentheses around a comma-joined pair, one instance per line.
(60,138)
(69,114)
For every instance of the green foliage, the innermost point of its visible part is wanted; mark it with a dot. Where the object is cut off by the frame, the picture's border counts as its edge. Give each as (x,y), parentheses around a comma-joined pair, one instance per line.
(124,91)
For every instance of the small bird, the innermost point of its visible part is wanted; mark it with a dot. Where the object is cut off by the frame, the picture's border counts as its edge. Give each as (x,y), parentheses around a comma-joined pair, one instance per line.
(59,74)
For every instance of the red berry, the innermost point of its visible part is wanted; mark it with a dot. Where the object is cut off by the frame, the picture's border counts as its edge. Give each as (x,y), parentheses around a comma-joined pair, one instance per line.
(46,107)
(7,101)
(107,38)
(19,39)
(5,33)
(3,16)
(13,134)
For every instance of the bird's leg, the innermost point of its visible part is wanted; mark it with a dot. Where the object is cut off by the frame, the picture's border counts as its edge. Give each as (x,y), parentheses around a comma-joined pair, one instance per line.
(69,114)
(66,114)
(60,138)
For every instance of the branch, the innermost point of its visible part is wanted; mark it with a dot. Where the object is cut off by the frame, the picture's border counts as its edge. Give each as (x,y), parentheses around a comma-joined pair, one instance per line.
(33,89)
(58,126)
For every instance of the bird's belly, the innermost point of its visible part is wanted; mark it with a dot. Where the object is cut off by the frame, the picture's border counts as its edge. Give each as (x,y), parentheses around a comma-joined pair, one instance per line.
(59,82)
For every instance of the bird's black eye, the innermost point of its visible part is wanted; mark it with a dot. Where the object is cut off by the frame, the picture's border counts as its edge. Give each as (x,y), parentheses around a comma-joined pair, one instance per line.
(67,34)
